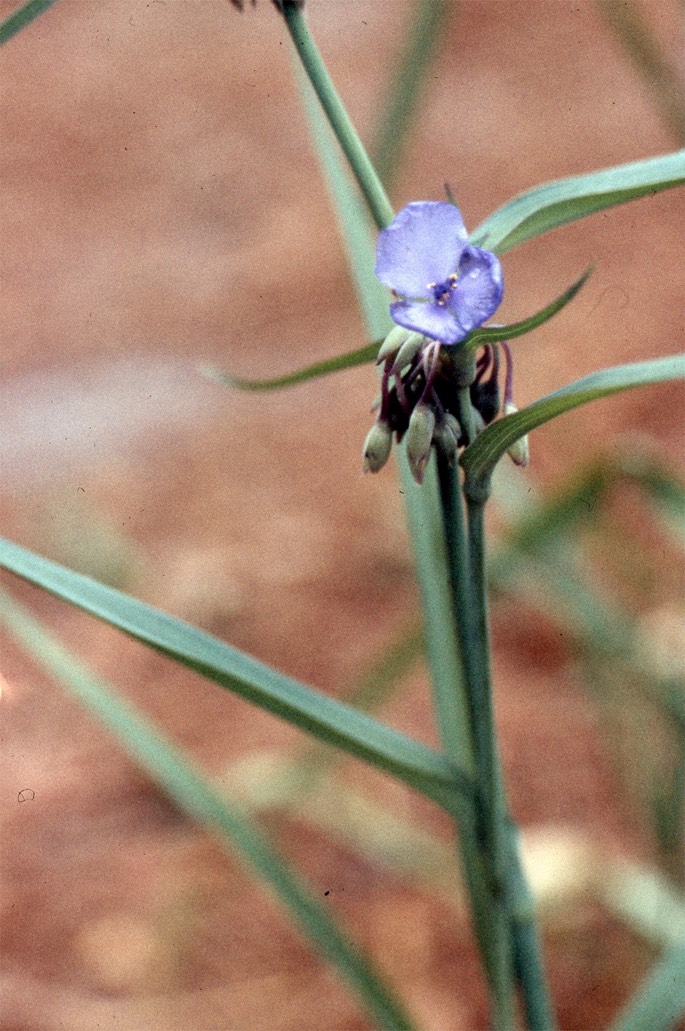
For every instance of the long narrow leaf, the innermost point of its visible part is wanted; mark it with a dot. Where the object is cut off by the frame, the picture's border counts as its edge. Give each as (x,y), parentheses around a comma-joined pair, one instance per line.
(660,1001)
(361,356)
(565,200)
(492,334)
(481,457)
(22,17)
(176,774)
(321,716)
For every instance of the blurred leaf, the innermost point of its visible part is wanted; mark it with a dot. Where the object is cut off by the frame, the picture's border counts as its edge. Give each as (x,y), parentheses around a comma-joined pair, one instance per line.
(663,81)
(660,1001)
(274,782)
(371,690)
(403,92)
(22,17)
(555,204)
(179,777)
(351,214)
(480,458)
(319,715)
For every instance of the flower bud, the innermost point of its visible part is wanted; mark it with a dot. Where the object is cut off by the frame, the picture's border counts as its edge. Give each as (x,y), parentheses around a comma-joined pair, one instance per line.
(445,439)
(419,438)
(453,424)
(485,398)
(377,447)
(518,452)
(393,342)
(408,351)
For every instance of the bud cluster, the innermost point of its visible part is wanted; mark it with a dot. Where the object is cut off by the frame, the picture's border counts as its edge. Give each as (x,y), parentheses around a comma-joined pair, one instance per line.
(419,392)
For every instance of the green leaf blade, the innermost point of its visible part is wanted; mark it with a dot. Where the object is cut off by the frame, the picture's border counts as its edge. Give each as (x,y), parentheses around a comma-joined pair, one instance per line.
(323,717)
(361,356)
(22,17)
(493,334)
(660,1001)
(557,203)
(481,457)
(176,774)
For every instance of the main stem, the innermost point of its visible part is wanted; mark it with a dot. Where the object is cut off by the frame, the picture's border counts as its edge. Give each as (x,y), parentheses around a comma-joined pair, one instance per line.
(474,647)
(492,920)
(359,160)
(510,881)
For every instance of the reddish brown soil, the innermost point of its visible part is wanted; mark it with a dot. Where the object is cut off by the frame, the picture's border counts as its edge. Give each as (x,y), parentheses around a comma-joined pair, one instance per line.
(162,209)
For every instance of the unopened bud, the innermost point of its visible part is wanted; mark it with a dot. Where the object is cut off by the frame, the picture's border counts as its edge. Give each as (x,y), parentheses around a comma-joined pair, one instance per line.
(419,438)
(393,342)
(518,452)
(445,439)
(408,351)
(453,424)
(377,447)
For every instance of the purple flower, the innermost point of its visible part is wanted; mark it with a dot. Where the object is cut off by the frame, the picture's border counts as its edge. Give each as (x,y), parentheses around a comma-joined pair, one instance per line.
(445,287)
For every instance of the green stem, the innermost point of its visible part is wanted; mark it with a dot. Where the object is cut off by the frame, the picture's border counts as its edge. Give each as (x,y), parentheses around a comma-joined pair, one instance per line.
(346,134)
(22,17)
(511,887)
(491,915)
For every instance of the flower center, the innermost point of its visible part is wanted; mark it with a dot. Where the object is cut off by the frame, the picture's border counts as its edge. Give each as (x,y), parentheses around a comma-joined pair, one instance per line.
(441,292)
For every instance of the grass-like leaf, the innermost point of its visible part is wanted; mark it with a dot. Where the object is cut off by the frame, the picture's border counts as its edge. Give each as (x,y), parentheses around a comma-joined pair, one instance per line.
(175,772)
(361,356)
(565,200)
(323,717)
(481,457)
(22,17)
(660,1001)
(491,334)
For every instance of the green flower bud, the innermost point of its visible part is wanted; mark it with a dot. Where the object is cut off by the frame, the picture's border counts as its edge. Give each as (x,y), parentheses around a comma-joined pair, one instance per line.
(408,351)
(393,342)
(445,440)
(377,447)
(419,438)
(518,452)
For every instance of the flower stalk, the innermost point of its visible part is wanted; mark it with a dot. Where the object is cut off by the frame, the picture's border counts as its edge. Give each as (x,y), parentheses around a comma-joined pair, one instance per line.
(347,135)
(463,292)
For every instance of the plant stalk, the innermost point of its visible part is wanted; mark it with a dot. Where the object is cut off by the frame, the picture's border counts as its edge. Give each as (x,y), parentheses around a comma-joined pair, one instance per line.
(510,885)
(347,136)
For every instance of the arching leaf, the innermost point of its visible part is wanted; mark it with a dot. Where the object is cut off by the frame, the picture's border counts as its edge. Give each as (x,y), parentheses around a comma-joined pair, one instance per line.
(481,457)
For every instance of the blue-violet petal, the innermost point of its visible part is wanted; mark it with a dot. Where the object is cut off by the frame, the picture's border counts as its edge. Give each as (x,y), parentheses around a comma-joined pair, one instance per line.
(421,246)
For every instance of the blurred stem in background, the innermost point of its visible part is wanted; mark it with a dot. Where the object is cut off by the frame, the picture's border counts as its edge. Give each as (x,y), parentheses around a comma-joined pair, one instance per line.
(665,85)
(404,91)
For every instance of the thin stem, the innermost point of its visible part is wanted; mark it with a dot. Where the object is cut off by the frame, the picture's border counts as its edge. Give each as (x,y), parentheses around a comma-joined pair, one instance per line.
(346,134)
(492,920)
(502,835)
(403,93)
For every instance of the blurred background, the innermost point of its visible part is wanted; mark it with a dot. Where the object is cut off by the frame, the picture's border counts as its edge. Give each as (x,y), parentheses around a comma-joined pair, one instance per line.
(163,210)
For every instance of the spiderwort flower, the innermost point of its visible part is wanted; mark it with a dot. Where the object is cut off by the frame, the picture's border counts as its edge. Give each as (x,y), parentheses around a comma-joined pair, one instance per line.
(445,287)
